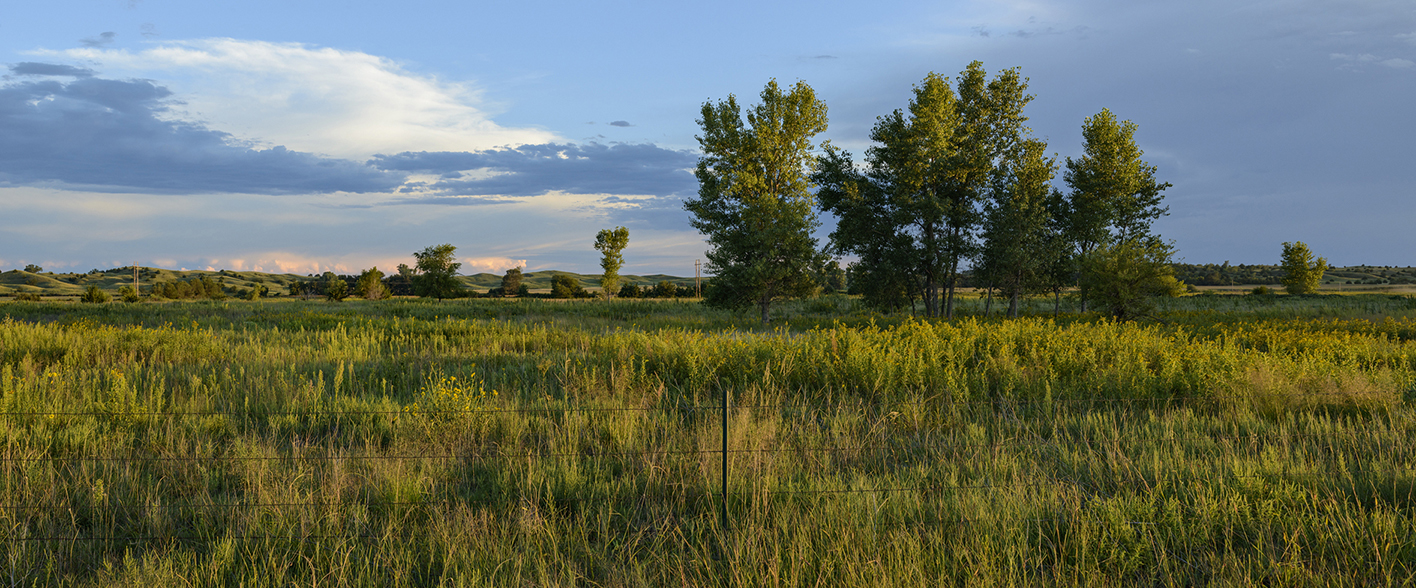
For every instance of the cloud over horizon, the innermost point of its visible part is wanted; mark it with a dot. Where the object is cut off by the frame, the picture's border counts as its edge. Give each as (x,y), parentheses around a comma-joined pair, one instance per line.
(110,135)
(534,170)
(327,101)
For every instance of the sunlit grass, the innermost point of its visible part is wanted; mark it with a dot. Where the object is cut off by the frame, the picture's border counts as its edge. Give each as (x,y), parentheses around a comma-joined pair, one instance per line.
(488,442)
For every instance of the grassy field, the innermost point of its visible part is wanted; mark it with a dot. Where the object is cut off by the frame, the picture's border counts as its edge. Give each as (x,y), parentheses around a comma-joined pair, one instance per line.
(1235,441)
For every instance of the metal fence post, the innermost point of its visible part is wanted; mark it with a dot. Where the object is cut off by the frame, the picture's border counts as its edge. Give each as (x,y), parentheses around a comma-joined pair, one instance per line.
(724,513)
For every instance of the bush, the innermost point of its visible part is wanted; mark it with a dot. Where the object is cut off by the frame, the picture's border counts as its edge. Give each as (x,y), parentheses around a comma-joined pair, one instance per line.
(27,297)
(564,286)
(629,291)
(128,294)
(94,295)
(336,290)
(1262,291)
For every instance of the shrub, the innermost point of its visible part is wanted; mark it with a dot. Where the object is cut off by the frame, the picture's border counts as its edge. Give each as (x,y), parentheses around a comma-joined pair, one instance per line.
(565,286)
(94,295)
(27,297)
(128,294)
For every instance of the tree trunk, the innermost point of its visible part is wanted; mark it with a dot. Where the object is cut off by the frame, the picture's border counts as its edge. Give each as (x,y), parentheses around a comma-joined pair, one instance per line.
(766,304)
(988,304)
(1013,304)
(1056,303)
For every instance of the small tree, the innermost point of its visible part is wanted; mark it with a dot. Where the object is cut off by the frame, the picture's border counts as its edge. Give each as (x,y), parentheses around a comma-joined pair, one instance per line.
(511,283)
(1302,274)
(255,293)
(34,269)
(128,294)
(629,291)
(94,295)
(1124,278)
(335,289)
(437,272)
(610,243)
(665,289)
(370,285)
(565,286)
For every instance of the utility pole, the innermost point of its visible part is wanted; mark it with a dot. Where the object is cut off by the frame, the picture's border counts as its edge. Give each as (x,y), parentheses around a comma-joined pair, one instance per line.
(135,278)
(698,278)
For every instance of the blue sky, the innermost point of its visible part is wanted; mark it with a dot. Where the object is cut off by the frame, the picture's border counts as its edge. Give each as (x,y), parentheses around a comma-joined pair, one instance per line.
(306,136)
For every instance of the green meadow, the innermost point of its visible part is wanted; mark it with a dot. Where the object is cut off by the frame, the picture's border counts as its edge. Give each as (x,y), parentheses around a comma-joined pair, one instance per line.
(1232,441)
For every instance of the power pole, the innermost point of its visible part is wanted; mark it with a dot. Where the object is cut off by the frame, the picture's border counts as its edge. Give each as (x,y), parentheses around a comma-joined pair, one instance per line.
(135,278)
(697,278)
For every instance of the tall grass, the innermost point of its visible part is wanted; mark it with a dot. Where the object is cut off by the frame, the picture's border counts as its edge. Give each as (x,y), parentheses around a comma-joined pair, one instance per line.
(546,443)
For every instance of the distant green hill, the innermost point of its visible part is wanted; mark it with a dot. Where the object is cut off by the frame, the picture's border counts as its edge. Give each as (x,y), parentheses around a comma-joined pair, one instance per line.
(236,283)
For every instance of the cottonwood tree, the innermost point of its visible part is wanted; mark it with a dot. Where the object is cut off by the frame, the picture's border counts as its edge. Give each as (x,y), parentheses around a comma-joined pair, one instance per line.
(436,272)
(755,204)
(611,244)
(511,282)
(912,215)
(1302,273)
(1114,195)
(370,285)
(1017,248)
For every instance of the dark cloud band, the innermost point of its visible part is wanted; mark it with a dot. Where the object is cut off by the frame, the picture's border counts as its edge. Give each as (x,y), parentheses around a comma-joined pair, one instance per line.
(106,135)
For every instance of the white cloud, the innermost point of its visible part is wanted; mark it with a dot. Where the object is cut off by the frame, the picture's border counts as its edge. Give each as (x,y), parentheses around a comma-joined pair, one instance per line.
(1408,37)
(495,265)
(316,99)
(1398,63)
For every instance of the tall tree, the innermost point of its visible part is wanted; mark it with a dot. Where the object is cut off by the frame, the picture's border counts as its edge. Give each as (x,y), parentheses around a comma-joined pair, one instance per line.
(511,282)
(437,272)
(913,215)
(1016,252)
(1114,194)
(611,244)
(1302,273)
(754,203)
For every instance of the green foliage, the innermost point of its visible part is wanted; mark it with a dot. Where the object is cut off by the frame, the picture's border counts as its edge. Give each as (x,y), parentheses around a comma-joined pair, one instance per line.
(335,288)
(1123,279)
(34,269)
(912,214)
(611,244)
(754,203)
(1114,194)
(202,287)
(437,272)
(27,296)
(1019,250)
(665,289)
(630,291)
(128,294)
(1302,273)
(370,285)
(94,294)
(566,286)
(1262,291)
(511,283)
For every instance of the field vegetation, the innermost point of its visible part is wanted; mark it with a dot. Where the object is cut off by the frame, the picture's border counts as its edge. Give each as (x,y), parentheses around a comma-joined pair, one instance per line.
(1234,440)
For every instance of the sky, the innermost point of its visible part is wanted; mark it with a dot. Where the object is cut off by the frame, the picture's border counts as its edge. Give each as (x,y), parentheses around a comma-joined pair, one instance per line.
(311,136)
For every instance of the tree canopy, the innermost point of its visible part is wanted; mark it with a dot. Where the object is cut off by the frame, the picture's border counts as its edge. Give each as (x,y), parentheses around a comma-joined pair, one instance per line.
(611,244)
(1302,273)
(437,272)
(755,204)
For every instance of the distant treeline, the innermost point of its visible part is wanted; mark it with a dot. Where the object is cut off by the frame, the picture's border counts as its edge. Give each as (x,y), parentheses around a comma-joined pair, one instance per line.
(1224,274)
